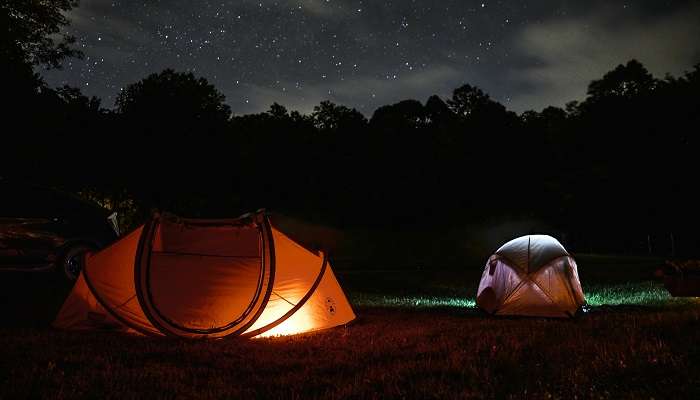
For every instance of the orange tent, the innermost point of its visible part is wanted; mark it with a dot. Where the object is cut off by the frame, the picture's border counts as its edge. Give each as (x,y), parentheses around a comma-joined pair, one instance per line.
(206,278)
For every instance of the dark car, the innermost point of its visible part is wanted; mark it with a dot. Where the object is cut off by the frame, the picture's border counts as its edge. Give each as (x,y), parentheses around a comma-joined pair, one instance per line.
(45,229)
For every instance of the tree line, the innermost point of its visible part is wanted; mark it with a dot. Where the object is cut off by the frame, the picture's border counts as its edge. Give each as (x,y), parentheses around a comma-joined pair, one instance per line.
(615,168)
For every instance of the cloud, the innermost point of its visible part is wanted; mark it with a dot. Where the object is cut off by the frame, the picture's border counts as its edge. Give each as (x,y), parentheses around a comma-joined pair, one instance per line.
(90,17)
(565,55)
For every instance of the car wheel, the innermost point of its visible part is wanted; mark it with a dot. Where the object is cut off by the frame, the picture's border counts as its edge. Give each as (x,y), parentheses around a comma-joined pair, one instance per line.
(73,261)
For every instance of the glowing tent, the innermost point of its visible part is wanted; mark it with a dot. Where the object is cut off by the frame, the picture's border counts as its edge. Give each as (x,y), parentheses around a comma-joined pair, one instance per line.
(206,278)
(533,276)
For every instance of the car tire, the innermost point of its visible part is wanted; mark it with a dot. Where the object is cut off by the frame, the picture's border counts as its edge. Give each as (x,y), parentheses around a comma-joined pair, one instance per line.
(73,260)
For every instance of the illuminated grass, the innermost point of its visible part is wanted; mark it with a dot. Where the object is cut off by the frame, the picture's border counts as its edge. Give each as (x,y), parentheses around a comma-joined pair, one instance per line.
(375,300)
(646,293)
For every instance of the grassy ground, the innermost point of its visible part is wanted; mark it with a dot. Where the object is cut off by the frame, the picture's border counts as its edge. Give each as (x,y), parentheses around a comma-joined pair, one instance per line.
(418,335)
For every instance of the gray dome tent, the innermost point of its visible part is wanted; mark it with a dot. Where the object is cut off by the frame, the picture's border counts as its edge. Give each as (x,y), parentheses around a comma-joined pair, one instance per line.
(533,276)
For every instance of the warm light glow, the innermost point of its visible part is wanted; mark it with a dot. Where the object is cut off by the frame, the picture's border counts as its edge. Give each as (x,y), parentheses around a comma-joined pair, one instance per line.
(300,322)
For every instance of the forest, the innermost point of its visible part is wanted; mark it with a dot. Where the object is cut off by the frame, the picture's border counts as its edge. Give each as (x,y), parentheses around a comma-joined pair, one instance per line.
(612,170)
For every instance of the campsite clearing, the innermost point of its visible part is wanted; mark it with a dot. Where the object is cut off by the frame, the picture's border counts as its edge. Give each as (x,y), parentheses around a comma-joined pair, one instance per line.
(417,335)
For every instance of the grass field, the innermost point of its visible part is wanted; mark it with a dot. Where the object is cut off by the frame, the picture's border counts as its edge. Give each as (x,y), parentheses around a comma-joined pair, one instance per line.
(417,335)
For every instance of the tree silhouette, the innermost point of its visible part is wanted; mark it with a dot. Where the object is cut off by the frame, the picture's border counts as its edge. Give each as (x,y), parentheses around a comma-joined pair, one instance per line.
(626,81)
(32,32)
(328,116)
(175,99)
(407,114)
(437,111)
(469,101)
(172,126)
(610,171)
(32,36)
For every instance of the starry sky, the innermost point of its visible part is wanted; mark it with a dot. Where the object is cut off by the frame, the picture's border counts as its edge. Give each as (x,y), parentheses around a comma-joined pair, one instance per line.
(365,54)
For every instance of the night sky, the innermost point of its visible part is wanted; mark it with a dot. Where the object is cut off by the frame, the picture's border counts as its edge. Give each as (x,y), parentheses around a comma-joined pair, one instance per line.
(364,54)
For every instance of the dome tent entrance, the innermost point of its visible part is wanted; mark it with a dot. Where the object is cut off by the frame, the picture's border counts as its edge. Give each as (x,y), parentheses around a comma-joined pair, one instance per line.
(206,278)
(533,276)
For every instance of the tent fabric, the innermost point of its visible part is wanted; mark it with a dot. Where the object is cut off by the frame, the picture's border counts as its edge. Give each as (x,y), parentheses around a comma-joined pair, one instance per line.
(206,278)
(530,253)
(532,275)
